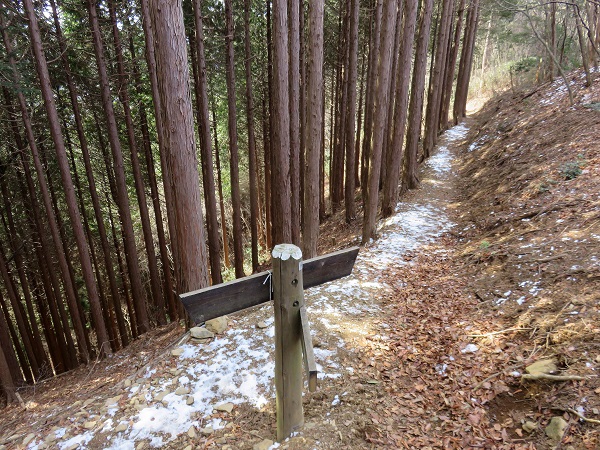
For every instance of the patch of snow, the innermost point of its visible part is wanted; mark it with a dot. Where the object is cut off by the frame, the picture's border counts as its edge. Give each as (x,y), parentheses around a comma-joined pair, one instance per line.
(470,348)
(81,439)
(441,369)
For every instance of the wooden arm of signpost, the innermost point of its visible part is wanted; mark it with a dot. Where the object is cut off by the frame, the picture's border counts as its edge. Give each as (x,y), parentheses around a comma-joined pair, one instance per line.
(227,298)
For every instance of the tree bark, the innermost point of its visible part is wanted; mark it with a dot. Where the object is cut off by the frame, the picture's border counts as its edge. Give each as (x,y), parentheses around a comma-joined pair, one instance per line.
(252,166)
(160,230)
(391,186)
(110,273)
(466,61)
(6,379)
(282,224)
(409,166)
(71,296)
(119,172)
(177,117)
(351,111)
(294,105)
(313,127)
(382,98)
(375,37)
(123,88)
(238,249)
(73,210)
(435,91)
(160,134)
(208,177)
(451,67)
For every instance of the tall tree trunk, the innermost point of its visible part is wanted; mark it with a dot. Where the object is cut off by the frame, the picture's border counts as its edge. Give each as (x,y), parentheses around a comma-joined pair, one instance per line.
(382,98)
(375,37)
(71,296)
(23,324)
(160,134)
(302,109)
(294,105)
(238,249)
(178,123)
(208,177)
(220,187)
(123,88)
(269,123)
(387,136)
(18,363)
(583,48)
(107,312)
(158,217)
(339,144)
(466,61)
(39,232)
(313,127)
(434,95)
(451,68)
(282,224)
(119,170)
(391,186)
(415,112)
(351,111)
(252,169)
(17,256)
(8,386)
(110,273)
(123,272)
(357,155)
(73,210)
(66,245)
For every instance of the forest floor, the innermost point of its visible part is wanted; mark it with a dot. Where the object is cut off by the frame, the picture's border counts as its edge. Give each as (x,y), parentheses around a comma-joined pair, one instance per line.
(492,265)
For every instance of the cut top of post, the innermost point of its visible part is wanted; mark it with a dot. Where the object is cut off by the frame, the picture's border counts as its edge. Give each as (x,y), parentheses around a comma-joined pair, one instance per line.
(286,251)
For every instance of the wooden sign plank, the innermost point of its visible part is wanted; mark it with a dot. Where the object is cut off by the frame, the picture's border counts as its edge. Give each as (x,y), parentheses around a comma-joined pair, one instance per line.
(227,298)
(308,354)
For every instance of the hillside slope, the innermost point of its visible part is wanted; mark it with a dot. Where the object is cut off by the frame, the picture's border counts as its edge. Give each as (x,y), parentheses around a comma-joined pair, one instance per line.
(530,244)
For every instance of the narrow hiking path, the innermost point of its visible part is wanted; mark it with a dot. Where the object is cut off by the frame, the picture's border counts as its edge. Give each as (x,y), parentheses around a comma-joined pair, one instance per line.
(219,392)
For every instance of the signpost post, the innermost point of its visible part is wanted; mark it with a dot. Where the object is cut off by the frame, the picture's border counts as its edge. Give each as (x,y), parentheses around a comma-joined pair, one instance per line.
(290,276)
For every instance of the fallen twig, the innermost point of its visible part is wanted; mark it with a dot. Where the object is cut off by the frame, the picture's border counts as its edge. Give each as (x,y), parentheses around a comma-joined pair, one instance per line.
(493,333)
(578,414)
(547,376)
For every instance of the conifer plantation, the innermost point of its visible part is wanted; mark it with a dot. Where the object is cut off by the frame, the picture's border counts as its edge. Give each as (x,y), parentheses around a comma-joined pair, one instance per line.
(153,147)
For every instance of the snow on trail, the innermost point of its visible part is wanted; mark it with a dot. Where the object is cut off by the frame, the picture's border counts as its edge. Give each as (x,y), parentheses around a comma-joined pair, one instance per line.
(238,366)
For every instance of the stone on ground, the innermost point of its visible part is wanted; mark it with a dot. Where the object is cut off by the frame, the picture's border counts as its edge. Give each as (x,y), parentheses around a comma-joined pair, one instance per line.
(556,428)
(177,351)
(182,390)
(225,407)
(530,426)
(263,445)
(28,439)
(543,366)
(201,333)
(218,325)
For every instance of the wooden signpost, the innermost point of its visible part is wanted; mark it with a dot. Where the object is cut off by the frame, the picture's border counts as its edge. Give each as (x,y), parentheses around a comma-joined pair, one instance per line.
(285,285)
